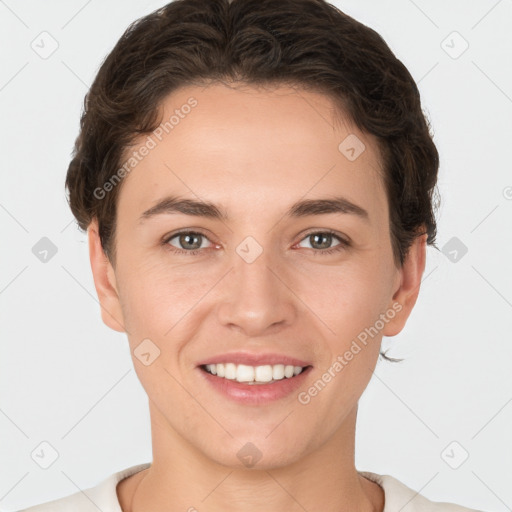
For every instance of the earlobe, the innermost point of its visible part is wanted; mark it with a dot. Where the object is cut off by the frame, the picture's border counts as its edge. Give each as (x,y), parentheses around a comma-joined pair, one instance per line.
(409,279)
(104,281)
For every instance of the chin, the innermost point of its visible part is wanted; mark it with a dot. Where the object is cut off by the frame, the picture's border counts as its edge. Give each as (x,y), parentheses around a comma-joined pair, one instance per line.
(256,452)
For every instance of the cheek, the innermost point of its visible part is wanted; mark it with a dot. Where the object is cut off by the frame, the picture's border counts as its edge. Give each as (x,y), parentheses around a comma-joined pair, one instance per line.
(155,297)
(351,304)
(347,298)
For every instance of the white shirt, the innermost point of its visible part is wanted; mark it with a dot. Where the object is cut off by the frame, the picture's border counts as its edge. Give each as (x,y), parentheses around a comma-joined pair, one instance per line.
(398,497)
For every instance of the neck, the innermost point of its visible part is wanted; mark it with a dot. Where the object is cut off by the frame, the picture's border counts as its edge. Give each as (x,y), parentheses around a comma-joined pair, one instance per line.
(182,478)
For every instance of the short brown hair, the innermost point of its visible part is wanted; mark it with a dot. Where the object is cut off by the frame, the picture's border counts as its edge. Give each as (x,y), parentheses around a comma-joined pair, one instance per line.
(304,43)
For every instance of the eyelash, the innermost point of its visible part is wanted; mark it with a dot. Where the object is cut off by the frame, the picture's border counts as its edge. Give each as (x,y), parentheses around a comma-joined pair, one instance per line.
(344,244)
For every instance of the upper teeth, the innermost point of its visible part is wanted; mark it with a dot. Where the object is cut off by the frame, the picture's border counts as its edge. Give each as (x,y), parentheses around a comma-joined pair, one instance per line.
(244,373)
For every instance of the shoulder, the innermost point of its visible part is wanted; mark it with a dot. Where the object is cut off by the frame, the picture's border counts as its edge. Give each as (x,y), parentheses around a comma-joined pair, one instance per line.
(101,497)
(74,502)
(400,497)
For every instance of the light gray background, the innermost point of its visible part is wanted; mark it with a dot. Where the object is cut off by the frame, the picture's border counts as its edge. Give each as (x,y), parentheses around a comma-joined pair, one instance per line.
(67,380)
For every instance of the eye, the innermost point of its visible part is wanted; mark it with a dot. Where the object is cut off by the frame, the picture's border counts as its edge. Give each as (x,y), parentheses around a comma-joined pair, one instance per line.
(191,242)
(321,241)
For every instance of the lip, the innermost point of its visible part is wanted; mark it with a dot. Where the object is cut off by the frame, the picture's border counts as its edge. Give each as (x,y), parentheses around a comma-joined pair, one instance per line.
(255,394)
(254,359)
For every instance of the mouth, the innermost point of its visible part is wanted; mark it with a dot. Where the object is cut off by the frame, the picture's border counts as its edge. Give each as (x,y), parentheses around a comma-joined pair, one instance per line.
(254,385)
(253,375)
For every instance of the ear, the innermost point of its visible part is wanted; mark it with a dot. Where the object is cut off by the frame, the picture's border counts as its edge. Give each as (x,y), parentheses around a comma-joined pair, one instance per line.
(104,281)
(409,279)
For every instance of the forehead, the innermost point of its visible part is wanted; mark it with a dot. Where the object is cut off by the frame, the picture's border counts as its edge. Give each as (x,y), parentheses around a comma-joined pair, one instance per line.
(253,149)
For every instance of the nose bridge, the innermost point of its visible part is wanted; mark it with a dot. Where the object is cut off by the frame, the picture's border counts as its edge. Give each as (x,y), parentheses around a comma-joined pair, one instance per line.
(257,298)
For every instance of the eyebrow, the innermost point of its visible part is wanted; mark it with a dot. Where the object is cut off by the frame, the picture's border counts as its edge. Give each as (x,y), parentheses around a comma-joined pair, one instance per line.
(304,208)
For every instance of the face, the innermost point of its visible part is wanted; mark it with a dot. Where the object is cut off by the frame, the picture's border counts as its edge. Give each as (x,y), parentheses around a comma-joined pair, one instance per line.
(249,274)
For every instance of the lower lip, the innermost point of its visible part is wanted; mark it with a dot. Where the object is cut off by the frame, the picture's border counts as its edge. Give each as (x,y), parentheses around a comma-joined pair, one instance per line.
(255,394)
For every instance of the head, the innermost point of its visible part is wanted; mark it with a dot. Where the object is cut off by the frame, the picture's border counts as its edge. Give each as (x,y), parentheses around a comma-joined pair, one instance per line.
(245,109)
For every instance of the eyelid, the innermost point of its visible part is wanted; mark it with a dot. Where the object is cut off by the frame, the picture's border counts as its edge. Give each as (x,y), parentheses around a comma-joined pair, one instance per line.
(340,236)
(198,231)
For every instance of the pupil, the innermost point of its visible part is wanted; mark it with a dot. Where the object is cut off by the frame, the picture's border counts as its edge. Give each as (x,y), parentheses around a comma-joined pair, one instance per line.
(185,240)
(325,236)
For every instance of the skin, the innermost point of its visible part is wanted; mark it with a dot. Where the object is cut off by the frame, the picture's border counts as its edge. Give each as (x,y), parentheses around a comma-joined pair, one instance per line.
(254,152)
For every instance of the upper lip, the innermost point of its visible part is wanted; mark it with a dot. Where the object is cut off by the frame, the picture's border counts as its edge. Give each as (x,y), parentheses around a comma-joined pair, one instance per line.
(254,359)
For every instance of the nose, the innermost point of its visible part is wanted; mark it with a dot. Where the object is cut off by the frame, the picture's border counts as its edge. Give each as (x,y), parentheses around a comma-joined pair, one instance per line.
(258,298)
